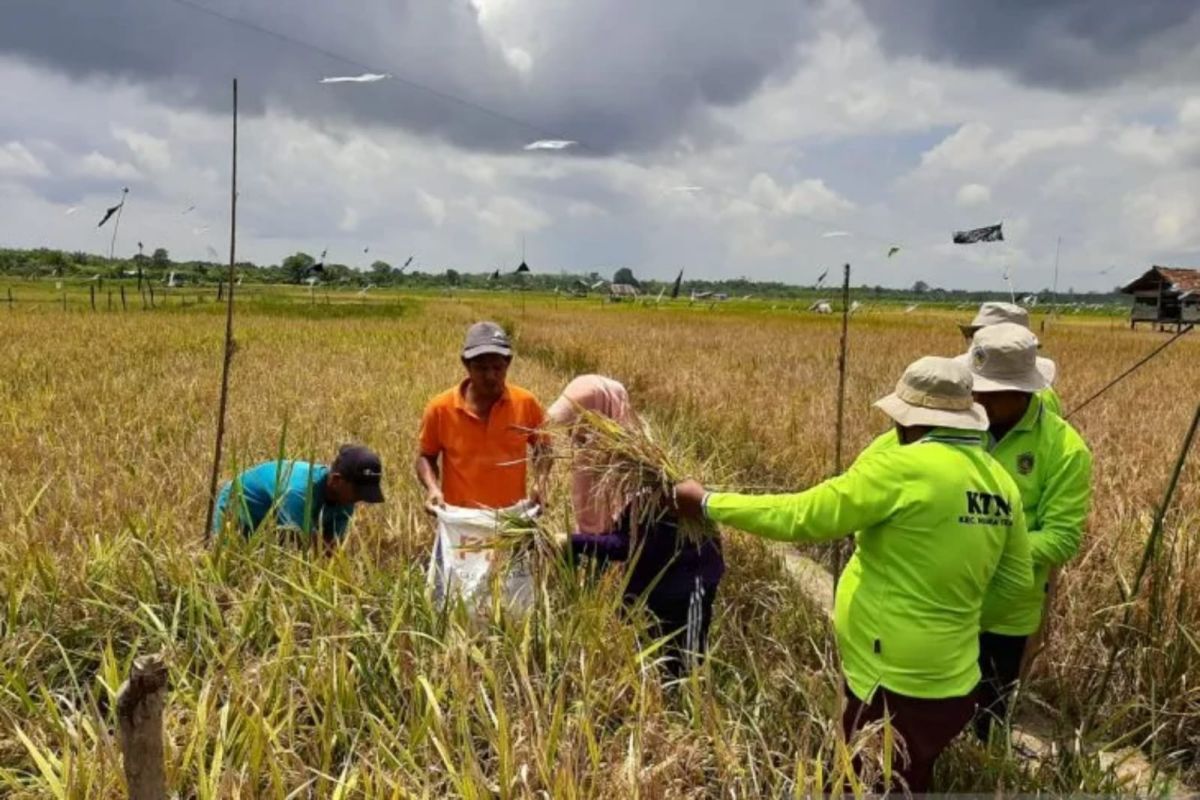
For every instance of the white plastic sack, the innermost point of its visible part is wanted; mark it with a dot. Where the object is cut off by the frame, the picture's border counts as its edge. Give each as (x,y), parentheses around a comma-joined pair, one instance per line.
(457,569)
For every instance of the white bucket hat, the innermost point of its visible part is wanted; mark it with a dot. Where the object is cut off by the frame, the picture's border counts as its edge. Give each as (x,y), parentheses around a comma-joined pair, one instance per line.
(994,314)
(1003,358)
(935,391)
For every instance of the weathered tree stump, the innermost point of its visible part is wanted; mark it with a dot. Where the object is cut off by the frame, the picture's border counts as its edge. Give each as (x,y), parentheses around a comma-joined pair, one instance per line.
(139,714)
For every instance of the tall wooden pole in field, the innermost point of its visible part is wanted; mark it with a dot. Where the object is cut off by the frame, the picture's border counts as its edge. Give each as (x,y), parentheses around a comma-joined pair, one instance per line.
(227,355)
(839,552)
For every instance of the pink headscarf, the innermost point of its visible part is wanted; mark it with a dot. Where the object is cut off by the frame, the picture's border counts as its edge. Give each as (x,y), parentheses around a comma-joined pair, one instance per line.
(593,513)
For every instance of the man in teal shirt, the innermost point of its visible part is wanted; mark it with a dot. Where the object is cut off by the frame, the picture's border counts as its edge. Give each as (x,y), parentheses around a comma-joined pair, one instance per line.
(303,497)
(998,313)
(939,524)
(1052,467)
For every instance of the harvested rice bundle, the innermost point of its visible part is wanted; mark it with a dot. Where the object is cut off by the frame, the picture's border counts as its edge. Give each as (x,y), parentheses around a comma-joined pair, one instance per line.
(629,462)
(517,534)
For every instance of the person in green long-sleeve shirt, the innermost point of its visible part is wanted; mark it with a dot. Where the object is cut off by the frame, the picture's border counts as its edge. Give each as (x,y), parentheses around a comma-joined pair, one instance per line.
(1052,467)
(999,313)
(938,524)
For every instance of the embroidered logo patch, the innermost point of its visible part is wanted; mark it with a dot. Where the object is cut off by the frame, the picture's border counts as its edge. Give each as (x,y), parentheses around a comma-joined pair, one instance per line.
(1025,463)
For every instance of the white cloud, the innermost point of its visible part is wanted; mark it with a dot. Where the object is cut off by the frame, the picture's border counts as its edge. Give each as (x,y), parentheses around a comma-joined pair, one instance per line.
(433,206)
(974,147)
(1169,212)
(512,215)
(808,198)
(971,195)
(98,165)
(892,150)
(17,161)
(149,151)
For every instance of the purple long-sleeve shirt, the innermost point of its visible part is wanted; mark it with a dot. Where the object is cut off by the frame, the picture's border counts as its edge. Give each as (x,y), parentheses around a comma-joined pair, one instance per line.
(661,560)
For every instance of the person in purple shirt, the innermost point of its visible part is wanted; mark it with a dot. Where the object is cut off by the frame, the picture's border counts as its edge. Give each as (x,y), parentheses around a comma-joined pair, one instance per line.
(677,580)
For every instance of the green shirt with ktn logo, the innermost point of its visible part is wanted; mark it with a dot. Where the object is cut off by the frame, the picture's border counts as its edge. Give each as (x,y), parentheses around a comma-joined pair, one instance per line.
(1051,400)
(939,523)
(1052,467)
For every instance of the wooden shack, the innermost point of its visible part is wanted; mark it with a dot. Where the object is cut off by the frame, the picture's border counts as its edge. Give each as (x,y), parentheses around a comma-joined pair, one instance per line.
(622,291)
(1165,296)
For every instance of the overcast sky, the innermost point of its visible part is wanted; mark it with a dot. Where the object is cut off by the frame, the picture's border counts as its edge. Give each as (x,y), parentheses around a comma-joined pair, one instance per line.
(731,139)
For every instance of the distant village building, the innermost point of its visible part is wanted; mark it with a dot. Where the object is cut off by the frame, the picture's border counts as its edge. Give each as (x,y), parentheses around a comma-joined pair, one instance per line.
(1165,296)
(622,291)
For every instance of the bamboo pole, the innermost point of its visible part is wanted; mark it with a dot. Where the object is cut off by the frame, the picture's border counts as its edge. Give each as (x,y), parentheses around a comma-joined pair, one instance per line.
(139,715)
(839,552)
(227,355)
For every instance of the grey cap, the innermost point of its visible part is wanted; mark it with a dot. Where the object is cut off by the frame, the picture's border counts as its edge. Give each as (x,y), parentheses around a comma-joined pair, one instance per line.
(484,338)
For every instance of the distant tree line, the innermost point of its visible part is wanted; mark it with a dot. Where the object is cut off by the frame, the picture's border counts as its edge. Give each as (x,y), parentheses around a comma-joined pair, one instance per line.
(301,268)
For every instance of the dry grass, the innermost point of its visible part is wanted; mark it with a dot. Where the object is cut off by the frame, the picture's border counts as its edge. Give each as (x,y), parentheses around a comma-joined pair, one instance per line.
(293,676)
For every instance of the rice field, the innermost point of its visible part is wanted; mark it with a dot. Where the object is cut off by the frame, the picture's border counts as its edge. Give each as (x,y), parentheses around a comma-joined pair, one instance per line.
(293,676)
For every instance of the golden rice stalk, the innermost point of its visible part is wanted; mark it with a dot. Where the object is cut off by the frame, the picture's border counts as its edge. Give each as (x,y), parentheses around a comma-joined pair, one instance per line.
(630,463)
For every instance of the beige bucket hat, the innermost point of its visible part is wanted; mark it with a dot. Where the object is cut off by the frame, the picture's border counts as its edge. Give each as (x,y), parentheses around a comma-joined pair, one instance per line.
(1003,358)
(994,314)
(935,391)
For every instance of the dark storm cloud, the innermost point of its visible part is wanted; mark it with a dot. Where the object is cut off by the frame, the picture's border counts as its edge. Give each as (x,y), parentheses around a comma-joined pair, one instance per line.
(617,76)
(1064,44)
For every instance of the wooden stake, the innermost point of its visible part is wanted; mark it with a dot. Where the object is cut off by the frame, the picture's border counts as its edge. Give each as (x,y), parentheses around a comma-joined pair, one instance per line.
(124,305)
(139,714)
(151,285)
(92,296)
(228,353)
(839,552)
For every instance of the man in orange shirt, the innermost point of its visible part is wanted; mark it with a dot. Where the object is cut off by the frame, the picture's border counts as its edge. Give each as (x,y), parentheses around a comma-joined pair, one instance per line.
(481,431)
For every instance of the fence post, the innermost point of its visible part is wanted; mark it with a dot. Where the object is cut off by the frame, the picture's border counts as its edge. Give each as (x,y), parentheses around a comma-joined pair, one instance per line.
(64,299)
(92,296)
(124,307)
(151,285)
(139,714)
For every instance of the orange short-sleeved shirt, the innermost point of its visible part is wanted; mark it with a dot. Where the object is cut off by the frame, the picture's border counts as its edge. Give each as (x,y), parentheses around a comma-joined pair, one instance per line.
(483,462)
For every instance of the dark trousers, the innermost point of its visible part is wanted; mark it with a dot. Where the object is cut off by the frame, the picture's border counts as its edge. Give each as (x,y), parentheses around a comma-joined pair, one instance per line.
(1000,662)
(683,619)
(926,726)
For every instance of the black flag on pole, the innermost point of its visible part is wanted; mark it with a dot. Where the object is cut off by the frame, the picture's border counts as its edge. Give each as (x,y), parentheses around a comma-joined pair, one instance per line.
(992,233)
(678,283)
(108,214)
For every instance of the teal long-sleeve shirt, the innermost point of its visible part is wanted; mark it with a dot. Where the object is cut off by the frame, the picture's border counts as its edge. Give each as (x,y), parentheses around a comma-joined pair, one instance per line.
(939,522)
